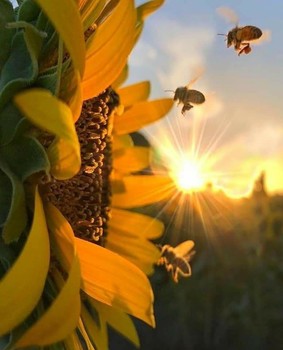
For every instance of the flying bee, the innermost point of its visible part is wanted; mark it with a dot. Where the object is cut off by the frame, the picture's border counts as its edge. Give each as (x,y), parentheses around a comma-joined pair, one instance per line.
(239,37)
(186,96)
(176,260)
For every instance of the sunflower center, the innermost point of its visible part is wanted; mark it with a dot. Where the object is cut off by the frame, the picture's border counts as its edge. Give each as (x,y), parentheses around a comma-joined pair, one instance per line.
(85,199)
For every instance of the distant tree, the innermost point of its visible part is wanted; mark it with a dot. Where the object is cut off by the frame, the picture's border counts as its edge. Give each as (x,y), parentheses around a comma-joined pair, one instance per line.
(259,189)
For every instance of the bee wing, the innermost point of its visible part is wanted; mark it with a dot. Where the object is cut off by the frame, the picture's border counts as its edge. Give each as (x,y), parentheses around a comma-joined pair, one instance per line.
(184,248)
(182,268)
(198,71)
(266,36)
(228,14)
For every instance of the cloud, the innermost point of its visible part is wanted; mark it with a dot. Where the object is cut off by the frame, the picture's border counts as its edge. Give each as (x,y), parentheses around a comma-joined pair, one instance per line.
(182,50)
(264,140)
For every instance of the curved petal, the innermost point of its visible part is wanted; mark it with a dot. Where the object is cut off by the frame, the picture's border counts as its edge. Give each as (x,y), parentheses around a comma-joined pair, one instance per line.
(112,280)
(54,116)
(122,141)
(135,225)
(139,251)
(19,284)
(90,11)
(108,49)
(54,326)
(131,159)
(118,320)
(72,93)
(122,77)
(65,17)
(95,329)
(141,114)
(132,94)
(149,7)
(143,190)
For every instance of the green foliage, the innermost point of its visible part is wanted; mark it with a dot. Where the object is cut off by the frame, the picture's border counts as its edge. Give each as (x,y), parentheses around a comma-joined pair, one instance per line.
(26,35)
(233,300)
(6,34)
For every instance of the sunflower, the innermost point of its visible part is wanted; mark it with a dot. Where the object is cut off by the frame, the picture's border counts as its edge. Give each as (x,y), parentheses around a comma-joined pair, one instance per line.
(73,260)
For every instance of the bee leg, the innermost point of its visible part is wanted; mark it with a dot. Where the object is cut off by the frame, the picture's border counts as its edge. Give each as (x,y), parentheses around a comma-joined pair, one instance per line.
(186,107)
(246,49)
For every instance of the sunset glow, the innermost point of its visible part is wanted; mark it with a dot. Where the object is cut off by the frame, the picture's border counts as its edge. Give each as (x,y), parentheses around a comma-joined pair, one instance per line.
(188,176)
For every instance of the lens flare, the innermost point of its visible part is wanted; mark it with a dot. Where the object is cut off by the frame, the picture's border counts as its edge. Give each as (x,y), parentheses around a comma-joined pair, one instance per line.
(188,176)
(187,150)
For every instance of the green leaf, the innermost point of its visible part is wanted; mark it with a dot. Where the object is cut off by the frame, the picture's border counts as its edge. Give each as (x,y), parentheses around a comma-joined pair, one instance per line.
(28,11)
(6,34)
(25,156)
(23,284)
(11,123)
(65,17)
(48,79)
(19,159)
(54,116)
(16,220)
(21,68)
(6,191)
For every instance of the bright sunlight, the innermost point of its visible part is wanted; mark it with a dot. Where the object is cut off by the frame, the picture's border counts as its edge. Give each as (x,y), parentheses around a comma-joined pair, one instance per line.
(188,176)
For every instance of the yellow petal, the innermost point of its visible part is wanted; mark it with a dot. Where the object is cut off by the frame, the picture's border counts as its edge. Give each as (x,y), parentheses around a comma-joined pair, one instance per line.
(97,331)
(121,78)
(121,141)
(132,94)
(65,17)
(19,289)
(90,12)
(108,49)
(141,114)
(139,251)
(63,236)
(114,281)
(71,93)
(143,190)
(131,159)
(54,326)
(135,224)
(72,342)
(47,112)
(118,320)
(147,8)
(85,332)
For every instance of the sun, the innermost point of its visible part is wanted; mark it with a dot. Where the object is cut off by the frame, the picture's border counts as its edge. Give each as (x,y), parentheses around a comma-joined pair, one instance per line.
(188,176)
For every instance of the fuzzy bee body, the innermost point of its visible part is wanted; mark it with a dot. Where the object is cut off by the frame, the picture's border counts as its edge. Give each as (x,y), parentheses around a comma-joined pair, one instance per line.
(187,96)
(241,36)
(176,259)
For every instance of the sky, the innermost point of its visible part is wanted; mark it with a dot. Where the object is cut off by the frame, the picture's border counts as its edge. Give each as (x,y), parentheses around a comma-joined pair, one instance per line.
(238,131)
